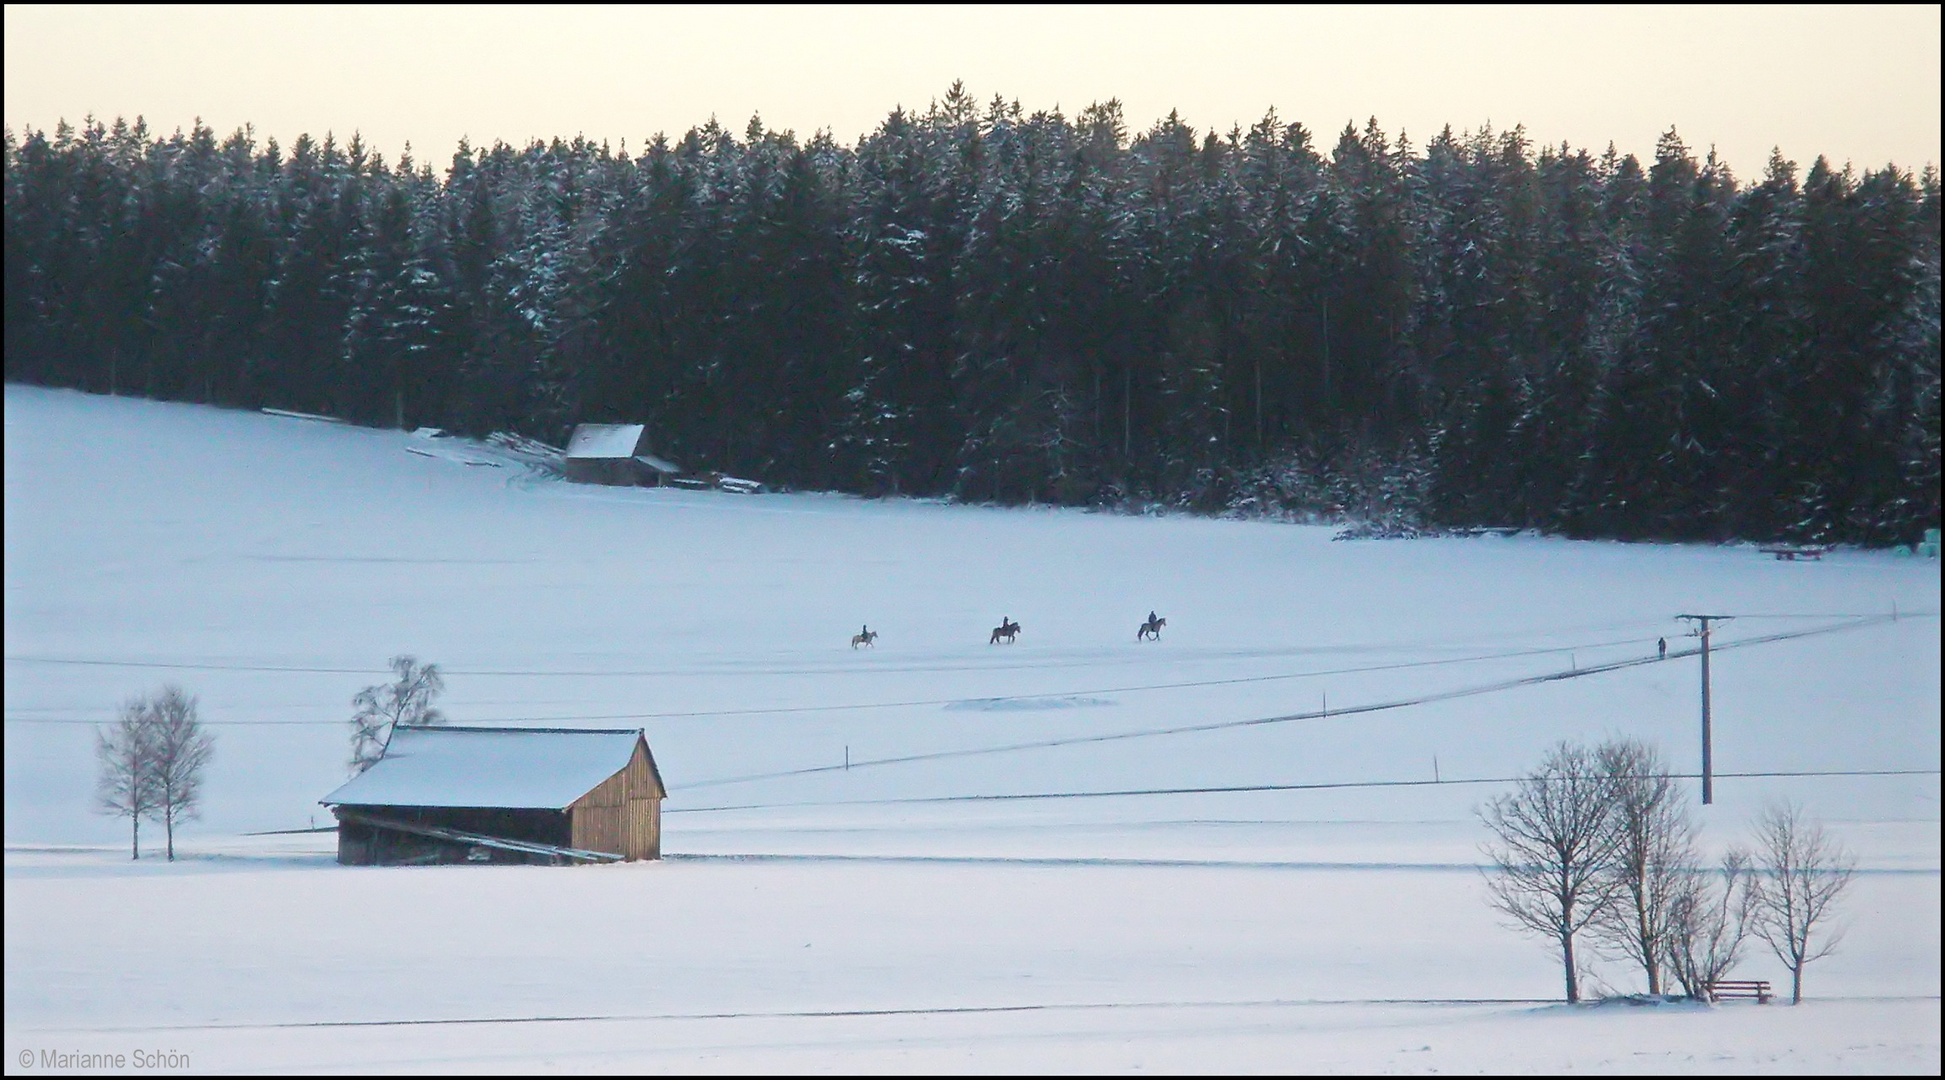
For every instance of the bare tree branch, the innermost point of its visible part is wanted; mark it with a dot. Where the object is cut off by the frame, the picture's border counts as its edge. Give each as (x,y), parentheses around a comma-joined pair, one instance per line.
(126,786)
(1709,920)
(181,749)
(1654,854)
(1800,873)
(382,708)
(1554,851)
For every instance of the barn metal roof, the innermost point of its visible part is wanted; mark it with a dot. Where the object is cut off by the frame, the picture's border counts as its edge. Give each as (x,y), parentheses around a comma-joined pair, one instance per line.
(604,441)
(503,768)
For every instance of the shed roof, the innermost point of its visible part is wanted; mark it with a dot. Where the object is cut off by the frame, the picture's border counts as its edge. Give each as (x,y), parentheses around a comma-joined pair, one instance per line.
(604,441)
(660,465)
(505,768)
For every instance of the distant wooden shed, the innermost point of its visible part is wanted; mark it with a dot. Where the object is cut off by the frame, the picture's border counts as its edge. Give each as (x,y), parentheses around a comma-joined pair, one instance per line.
(503,795)
(614,454)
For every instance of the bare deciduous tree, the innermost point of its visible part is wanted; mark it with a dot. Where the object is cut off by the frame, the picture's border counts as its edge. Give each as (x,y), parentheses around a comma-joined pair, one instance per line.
(1654,854)
(180,749)
(126,784)
(1799,873)
(151,763)
(1551,865)
(407,701)
(1708,921)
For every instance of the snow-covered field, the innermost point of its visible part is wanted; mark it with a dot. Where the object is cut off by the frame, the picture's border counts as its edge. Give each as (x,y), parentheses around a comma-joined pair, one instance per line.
(271,565)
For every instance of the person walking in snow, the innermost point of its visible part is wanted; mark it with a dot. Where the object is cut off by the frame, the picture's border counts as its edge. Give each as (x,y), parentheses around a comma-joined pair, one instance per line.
(1661,644)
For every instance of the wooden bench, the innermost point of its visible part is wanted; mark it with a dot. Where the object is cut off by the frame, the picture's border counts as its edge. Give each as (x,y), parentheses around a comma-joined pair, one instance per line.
(1741,988)
(1795,553)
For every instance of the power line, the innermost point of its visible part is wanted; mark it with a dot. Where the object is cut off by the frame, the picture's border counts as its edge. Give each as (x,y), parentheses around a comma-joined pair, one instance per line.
(1243,788)
(1839,615)
(185,666)
(1447,695)
(974,667)
(1140,688)
(189,665)
(859,706)
(1133,689)
(204,723)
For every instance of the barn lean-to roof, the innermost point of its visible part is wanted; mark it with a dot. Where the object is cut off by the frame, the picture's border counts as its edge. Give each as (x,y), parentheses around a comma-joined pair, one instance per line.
(505,768)
(659,464)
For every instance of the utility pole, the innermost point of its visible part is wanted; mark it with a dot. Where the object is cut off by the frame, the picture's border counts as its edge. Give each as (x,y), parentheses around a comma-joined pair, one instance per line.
(1708,772)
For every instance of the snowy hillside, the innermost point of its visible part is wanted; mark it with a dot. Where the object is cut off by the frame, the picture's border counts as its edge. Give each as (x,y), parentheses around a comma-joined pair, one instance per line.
(271,565)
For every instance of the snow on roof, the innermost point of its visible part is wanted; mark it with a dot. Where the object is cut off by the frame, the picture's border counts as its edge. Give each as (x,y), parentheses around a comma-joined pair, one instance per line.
(491,767)
(661,465)
(604,440)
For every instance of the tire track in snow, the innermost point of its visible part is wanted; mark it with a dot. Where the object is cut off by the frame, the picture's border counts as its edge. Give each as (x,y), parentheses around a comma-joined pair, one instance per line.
(943,1010)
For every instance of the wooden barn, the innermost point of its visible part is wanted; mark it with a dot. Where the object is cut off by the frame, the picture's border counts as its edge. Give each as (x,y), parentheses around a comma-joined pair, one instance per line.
(503,795)
(614,454)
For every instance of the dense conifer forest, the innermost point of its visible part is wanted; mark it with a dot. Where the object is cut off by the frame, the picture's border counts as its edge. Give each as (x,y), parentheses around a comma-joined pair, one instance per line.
(991,305)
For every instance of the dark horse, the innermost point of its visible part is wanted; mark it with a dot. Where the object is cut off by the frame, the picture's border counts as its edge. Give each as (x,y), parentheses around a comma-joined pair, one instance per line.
(1151,629)
(1007,629)
(864,637)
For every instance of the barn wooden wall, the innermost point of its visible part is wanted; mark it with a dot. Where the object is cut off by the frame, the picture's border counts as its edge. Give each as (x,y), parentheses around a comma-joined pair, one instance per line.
(624,814)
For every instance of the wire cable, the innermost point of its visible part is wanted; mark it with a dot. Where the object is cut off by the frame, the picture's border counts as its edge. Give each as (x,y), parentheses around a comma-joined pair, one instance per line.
(1242,788)
(859,706)
(1319,714)
(1140,688)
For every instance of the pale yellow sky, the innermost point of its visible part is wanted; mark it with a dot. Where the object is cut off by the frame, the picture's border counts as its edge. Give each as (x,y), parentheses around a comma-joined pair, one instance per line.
(1859,84)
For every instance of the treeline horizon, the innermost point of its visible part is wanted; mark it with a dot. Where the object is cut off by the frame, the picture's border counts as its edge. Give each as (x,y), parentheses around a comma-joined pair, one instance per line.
(992,305)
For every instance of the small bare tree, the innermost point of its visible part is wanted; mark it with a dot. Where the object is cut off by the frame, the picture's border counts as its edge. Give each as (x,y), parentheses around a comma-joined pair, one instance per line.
(180,750)
(1708,921)
(1551,868)
(125,786)
(1654,854)
(381,708)
(1799,873)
